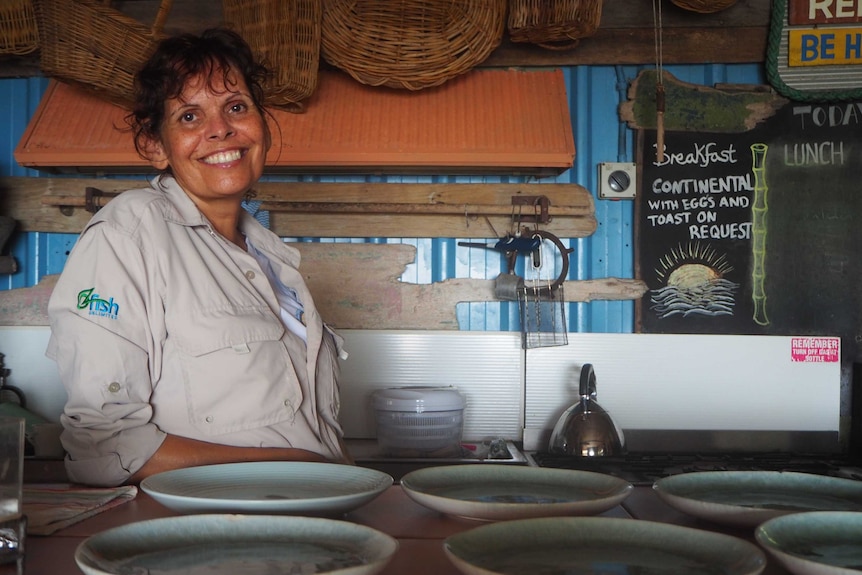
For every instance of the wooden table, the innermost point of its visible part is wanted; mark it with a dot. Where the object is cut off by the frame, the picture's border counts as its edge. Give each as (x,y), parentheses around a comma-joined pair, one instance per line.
(420,531)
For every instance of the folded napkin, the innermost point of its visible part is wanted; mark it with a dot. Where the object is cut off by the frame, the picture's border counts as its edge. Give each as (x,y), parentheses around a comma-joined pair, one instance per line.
(53,506)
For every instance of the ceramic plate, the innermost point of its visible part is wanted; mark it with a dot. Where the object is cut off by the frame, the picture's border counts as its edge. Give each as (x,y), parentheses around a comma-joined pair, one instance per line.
(497,492)
(232,544)
(748,498)
(275,487)
(815,543)
(587,545)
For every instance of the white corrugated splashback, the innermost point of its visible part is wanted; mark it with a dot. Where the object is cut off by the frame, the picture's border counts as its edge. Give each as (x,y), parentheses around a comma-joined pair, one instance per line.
(684,382)
(486,367)
(661,382)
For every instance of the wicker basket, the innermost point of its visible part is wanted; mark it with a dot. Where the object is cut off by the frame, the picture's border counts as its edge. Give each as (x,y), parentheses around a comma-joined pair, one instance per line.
(19,34)
(286,35)
(704,6)
(91,45)
(553,24)
(409,43)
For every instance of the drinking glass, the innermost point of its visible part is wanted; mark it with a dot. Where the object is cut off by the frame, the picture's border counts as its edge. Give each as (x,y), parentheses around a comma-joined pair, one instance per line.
(13,524)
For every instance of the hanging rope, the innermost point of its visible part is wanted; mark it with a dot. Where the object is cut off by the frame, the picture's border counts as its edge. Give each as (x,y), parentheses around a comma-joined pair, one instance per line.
(659,83)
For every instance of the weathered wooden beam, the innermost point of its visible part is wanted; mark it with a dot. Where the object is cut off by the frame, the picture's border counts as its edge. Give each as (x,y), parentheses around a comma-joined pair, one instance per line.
(334,209)
(358,286)
(696,108)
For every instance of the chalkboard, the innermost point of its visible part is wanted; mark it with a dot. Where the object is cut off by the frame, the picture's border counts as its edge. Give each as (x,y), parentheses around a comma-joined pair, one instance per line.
(756,231)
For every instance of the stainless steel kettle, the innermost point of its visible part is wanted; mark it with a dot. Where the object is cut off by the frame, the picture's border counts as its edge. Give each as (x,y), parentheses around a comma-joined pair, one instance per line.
(585,429)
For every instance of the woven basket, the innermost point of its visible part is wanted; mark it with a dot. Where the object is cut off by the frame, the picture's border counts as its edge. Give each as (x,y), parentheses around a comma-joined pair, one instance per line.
(704,6)
(286,35)
(18,31)
(91,45)
(553,24)
(409,43)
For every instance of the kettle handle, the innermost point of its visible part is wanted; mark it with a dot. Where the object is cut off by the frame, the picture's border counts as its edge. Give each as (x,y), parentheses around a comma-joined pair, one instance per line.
(588,380)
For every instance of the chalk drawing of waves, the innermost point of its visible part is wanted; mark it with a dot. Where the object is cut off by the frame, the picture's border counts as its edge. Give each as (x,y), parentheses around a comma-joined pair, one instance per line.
(713,298)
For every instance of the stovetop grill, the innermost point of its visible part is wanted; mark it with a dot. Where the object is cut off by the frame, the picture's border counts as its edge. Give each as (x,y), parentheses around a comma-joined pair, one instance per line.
(646,468)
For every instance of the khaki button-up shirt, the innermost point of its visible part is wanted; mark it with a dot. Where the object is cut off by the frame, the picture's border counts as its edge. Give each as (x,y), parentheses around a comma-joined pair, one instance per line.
(161,326)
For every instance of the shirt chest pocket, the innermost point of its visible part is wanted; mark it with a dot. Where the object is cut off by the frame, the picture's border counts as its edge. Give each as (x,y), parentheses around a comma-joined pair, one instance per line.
(235,370)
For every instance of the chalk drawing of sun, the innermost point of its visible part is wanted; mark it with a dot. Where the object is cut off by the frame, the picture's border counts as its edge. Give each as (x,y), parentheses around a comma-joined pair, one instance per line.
(695,283)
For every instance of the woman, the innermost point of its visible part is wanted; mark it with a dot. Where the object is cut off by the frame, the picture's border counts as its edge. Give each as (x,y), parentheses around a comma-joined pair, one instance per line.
(183,331)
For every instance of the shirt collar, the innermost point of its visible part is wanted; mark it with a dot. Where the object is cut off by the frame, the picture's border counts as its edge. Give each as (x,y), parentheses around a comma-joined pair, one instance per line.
(185,212)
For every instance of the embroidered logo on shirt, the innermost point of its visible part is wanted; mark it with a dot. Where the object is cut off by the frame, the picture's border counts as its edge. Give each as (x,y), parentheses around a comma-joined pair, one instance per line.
(88,299)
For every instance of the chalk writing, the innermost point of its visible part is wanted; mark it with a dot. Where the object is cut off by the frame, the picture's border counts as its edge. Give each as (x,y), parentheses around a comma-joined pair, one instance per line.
(732,231)
(828,116)
(702,155)
(698,212)
(814,154)
(717,185)
(778,205)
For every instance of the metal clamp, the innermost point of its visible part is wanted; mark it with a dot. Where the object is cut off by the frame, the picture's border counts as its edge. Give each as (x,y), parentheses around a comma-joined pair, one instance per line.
(540,205)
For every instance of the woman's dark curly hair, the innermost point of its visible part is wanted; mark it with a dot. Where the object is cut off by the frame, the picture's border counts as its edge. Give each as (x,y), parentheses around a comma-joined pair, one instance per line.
(181,58)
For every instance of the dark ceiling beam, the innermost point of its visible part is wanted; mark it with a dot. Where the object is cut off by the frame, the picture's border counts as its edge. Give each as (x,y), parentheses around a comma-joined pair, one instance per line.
(626,35)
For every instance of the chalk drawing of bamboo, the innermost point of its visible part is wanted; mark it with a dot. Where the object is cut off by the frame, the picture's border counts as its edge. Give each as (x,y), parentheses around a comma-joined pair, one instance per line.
(758,245)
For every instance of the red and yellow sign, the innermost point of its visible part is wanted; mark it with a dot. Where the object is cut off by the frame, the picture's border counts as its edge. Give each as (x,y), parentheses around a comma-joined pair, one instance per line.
(824,32)
(818,53)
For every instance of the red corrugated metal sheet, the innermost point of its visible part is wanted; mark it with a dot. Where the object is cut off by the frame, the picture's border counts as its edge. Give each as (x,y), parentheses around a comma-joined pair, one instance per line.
(501,121)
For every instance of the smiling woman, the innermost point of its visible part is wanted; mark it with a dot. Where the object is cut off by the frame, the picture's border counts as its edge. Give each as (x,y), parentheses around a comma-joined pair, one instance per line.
(214,351)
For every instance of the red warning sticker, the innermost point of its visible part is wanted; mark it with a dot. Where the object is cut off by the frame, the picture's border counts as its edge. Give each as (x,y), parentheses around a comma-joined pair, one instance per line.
(815,349)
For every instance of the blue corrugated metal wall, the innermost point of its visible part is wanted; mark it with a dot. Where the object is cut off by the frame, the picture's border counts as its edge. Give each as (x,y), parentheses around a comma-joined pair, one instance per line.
(595,93)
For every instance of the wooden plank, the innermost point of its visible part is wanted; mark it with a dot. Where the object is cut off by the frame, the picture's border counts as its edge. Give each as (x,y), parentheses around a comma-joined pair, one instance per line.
(24,199)
(696,108)
(357,286)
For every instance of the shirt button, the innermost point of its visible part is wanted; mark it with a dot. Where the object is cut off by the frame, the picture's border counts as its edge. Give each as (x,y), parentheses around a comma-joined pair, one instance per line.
(114,387)
(287,403)
(209,419)
(249,275)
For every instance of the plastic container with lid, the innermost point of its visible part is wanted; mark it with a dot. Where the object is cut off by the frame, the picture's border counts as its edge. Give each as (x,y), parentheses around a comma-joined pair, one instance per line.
(419,421)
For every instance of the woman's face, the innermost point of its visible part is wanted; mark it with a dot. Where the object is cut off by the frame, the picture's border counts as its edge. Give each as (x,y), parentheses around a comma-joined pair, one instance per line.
(213,138)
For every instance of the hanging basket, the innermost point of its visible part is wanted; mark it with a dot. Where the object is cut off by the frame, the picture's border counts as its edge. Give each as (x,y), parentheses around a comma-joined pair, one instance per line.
(410,44)
(285,35)
(19,34)
(91,45)
(553,24)
(704,6)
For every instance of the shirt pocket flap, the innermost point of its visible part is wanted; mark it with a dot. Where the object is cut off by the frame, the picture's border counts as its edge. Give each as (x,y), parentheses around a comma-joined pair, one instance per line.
(205,332)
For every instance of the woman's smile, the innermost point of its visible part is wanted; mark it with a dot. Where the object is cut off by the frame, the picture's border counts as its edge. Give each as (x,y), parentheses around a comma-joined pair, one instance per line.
(223,157)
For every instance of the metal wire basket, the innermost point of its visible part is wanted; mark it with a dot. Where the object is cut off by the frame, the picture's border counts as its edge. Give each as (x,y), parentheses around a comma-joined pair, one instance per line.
(555,25)
(286,35)
(91,45)
(410,44)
